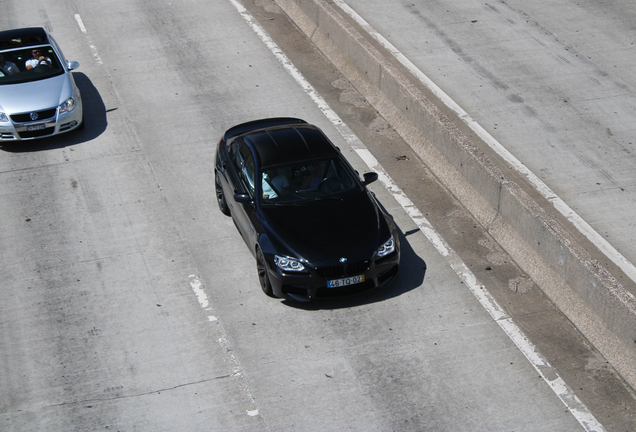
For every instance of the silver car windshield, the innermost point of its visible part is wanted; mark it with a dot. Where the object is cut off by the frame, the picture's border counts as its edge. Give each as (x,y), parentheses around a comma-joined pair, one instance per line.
(28,64)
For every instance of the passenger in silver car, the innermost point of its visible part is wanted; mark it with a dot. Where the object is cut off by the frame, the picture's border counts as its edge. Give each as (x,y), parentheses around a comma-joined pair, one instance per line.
(6,67)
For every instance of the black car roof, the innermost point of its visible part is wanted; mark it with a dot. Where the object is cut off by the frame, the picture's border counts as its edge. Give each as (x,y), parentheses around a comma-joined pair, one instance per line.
(23,37)
(281,145)
(260,124)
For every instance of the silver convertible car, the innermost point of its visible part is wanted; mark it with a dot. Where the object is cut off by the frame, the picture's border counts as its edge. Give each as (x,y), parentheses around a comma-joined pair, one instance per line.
(38,96)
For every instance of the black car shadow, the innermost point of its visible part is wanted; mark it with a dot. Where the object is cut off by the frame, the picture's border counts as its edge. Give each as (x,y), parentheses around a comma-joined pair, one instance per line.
(410,276)
(95,123)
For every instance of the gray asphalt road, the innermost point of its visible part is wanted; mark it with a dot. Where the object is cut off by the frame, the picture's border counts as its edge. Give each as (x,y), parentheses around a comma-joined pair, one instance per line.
(128,301)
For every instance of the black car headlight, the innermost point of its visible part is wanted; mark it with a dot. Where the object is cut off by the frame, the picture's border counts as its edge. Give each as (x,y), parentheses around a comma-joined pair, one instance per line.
(386,248)
(288,264)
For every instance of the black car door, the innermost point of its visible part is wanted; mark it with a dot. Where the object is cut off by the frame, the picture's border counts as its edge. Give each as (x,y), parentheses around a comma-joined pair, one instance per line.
(242,176)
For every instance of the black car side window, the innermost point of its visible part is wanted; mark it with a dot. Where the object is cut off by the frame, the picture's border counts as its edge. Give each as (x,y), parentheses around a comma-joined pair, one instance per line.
(231,151)
(246,168)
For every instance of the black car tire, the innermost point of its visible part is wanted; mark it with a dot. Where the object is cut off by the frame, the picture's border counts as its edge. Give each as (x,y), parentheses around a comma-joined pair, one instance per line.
(220,198)
(263,277)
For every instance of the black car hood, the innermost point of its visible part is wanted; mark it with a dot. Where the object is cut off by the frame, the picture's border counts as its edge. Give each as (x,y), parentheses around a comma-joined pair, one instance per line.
(350,227)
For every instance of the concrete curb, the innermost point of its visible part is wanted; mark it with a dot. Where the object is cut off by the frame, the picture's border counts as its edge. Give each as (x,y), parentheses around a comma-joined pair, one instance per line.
(545,247)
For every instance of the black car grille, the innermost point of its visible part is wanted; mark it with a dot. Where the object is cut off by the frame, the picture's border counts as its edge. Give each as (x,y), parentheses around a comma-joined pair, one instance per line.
(26,117)
(343,270)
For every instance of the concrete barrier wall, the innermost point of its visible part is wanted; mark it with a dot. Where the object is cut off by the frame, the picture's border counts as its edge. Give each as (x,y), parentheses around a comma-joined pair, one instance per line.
(601,308)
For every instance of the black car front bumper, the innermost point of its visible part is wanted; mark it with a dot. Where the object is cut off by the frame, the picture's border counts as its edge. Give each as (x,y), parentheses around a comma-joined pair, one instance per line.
(313,283)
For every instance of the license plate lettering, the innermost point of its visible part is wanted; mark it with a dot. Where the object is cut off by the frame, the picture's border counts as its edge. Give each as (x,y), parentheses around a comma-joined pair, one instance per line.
(36,127)
(337,283)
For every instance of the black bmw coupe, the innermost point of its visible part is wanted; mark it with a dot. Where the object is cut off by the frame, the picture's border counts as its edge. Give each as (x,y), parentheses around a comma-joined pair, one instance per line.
(312,225)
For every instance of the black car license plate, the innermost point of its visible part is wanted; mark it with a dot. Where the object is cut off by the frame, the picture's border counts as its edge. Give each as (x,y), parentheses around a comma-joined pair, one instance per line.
(337,283)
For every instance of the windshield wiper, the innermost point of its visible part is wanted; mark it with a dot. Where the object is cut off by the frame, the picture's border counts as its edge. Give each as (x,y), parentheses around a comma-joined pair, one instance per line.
(286,203)
(336,197)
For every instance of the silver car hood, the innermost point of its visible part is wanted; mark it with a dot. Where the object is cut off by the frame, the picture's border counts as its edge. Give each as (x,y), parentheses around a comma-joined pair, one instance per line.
(35,95)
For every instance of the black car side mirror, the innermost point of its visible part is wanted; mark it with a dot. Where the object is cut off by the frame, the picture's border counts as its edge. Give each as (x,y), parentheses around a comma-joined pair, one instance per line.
(242,198)
(370,177)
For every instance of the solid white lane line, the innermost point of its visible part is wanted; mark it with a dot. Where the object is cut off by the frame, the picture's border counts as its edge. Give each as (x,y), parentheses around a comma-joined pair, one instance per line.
(541,365)
(615,256)
(507,324)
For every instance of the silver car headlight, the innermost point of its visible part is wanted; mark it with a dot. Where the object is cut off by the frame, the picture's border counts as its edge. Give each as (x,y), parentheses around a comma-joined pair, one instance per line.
(3,117)
(67,106)
(288,264)
(386,248)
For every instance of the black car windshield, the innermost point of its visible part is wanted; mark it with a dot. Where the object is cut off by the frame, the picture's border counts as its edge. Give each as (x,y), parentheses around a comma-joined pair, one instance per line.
(30,64)
(308,181)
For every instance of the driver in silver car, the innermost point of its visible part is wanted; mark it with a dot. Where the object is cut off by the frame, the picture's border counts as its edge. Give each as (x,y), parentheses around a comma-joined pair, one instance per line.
(37,60)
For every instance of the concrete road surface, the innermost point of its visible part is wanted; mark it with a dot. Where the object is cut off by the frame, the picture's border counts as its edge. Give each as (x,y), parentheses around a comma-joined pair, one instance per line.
(129,302)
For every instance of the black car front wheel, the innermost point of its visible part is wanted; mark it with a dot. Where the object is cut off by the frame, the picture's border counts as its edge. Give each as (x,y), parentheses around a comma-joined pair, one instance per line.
(263,277)
(220,198)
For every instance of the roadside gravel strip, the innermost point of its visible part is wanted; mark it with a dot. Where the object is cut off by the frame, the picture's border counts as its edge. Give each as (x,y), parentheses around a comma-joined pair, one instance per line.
(573,270)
